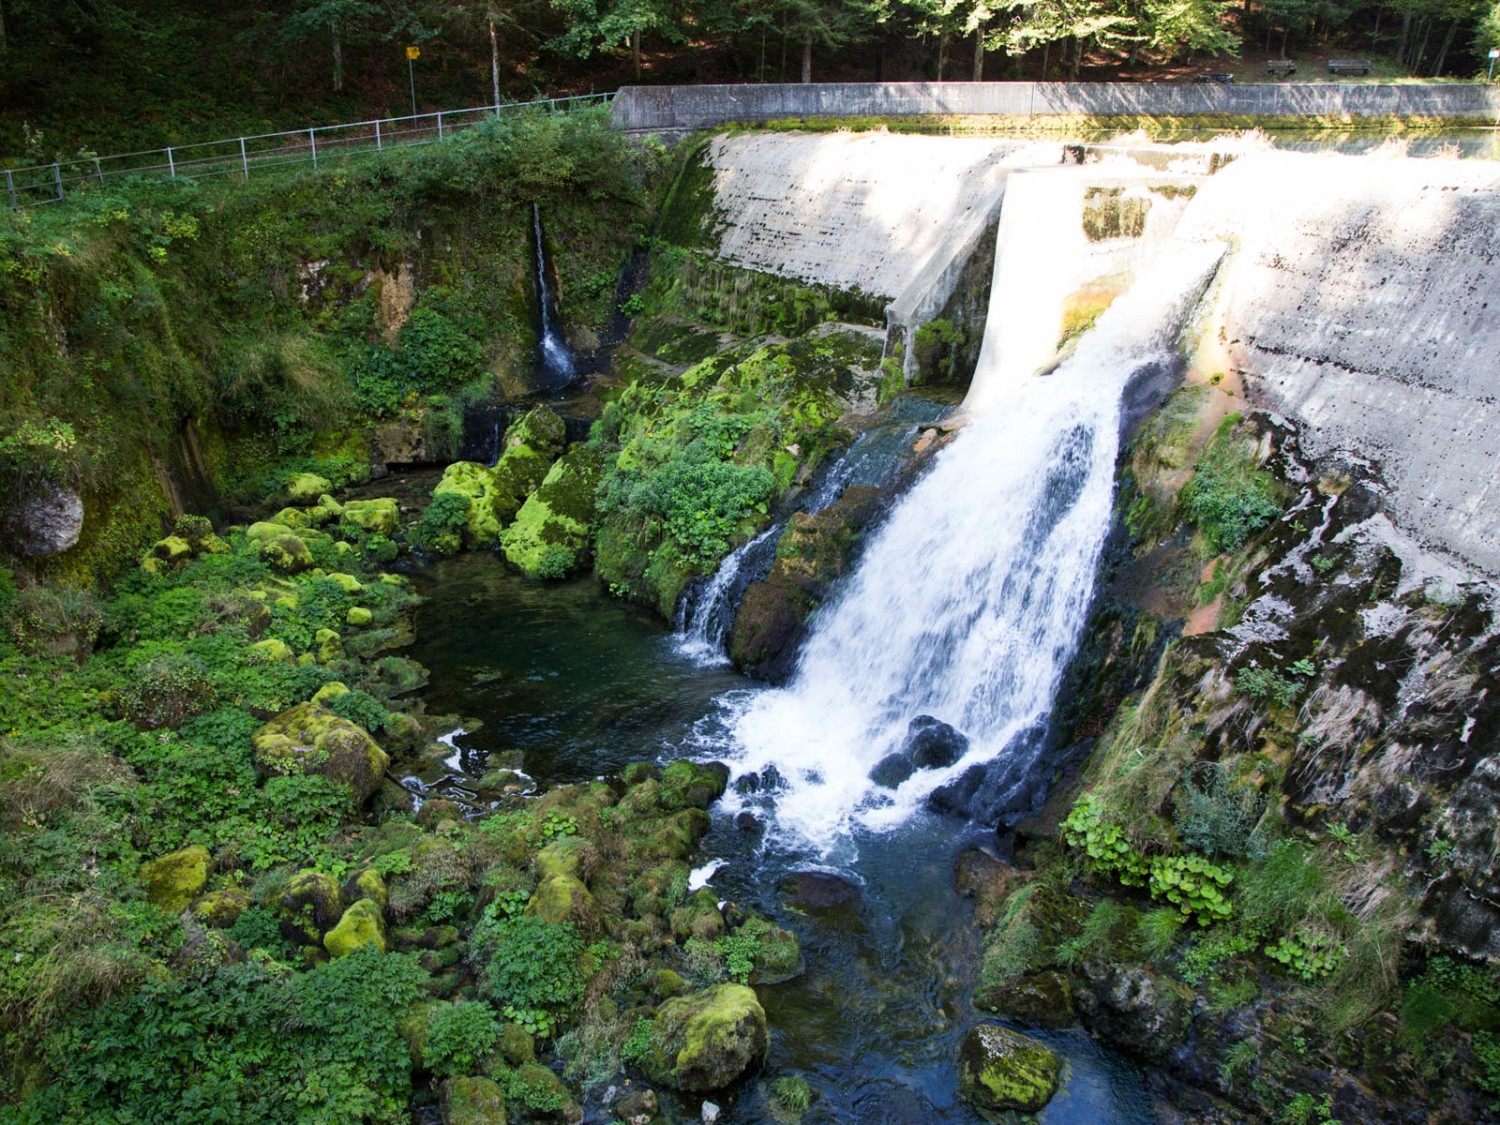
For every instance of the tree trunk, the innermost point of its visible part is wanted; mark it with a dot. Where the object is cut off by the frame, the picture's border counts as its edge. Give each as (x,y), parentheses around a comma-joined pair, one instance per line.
(1284,32)
(1437,67)
(760,71)
(338,58)
(1405,38)
(1424,29)
(1375,35)
(1077,57)
(494,61)
(942,54)
(1046,58)
(2,30)
(806,57)
(635,52)
(979,54)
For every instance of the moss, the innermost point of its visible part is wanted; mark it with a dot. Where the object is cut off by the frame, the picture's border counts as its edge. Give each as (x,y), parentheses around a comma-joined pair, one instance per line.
(330,646)
(273,651)
(311,903)
(287,553)
(1004,1071)
(564,898)
(473,1101)
(551,534)
(476,484)
(175,880)
(379,516)
(358,616)
(532,444)
(562,857)
(687,785)
(367,884)
(311,739)
(1044,999)
(515,1045)
(689,217)
(329,692)
(351,584)
(1112,213)
(308,488)
(362,925)
(705,1041)
(221,908)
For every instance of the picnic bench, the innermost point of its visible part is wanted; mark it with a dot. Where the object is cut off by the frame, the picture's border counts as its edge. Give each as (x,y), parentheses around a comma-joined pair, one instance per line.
(1281,66)
(1348,66)
(1222,79)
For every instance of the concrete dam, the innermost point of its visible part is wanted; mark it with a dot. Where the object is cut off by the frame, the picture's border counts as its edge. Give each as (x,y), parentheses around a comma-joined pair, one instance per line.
(1356,294)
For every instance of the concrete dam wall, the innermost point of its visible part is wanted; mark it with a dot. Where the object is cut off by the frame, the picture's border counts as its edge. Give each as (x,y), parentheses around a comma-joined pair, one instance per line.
(1358,296)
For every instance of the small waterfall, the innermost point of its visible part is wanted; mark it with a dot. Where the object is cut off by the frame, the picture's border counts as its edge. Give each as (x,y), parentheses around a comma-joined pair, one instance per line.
(556,361)
(705,615)
(968,601)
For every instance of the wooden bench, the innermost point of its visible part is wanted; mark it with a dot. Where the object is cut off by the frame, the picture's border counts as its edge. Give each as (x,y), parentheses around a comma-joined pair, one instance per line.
(1281,66)
(1348,66)
(1222,79)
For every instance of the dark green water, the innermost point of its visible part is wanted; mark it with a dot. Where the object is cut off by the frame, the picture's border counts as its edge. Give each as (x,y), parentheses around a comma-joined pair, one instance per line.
(582,685)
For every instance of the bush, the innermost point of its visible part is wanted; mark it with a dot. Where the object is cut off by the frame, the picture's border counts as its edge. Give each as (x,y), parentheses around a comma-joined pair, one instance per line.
(441,528)
(360,708)
(458,1036)
(1229,497)
(1216,819)
(533,972)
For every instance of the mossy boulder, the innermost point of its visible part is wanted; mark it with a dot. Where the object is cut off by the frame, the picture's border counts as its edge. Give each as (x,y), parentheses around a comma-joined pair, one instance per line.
(532,443)
(1044,999)
(330,646)
(1003,1071)
(167,555)
(310,739)
(379,516)
(515,1045)
(329,692)
(358,616)
(564,898)
(539,1087)
(221,909)
(361,925)
(567,856)
(293,518)
(689,785)
(706,1040)
(308,488)
(287,553)
(310,905)
(176,879)
(350,584)
(551,533)
(367,884)
(273,650)
(778,956)
(473,1101)
(476,484)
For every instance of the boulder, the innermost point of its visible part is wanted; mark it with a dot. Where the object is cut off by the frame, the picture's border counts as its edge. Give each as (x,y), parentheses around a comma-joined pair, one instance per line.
(360,925)
(706,1040)
(472,1101)
(639,1106)
(367,884)
(564,898)
(892,770)
(475,483)
(167,555)
(532,443)
(1002,1071)
(273,651)
(175,880)
(379,517)
(550,535)
(819,891)
(286,552)
(358,616)
(689,785)
(221,909)
(44,520)
(311,902)
(310,739)
(1044,999)
(330,691)
(1143,1013)
(308,488)
(932,744)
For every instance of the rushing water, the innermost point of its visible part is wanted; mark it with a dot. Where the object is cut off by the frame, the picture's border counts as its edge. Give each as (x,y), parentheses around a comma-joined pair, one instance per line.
(557,366)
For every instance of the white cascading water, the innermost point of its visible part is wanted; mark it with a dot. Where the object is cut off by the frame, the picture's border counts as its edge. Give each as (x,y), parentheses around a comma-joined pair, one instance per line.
(704,618)
(968,602)
(556,357)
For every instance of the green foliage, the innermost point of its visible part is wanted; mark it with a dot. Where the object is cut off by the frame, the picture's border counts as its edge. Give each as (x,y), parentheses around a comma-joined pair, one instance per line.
(738,951)
(642,1041)
(1307,1109)
(1487,1052)
(1264,683)
(1194,885)
(442,524)
(360,708)
(458,1036)
(1229,497)
(1308,954)
(1109,852)
(1157,930)
(792,1093)
(533,971)
(1215,817)
(556,825)
(1093,937)
(1208,952)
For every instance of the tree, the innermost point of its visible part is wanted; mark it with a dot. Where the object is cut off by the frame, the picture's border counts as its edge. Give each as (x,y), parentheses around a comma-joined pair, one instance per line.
(1174,26)
(1075,23)
(346,19)
(593,24)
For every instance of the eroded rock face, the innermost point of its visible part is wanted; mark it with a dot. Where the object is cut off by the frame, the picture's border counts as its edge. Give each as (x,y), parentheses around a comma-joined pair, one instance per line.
(1141,1011)
(1001,1071)
(45,521)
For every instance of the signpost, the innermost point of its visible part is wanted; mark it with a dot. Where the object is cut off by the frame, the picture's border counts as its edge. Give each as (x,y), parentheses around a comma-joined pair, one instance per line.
(1490,77)
(412,55)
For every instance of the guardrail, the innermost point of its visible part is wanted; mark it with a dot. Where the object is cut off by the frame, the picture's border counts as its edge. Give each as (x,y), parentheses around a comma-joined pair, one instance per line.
(240,156)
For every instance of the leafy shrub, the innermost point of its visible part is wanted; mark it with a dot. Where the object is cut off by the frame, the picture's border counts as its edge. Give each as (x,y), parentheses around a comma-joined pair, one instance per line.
(1194,885)
(1109,852)
(441,528)
(1216,818)
(1263,683)
(360,708)
(1229,498)
(533,973)
(168,690)
(642,1041)
(458,1036)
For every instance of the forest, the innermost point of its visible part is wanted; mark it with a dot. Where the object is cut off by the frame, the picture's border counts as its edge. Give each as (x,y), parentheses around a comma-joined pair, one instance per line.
(109,75)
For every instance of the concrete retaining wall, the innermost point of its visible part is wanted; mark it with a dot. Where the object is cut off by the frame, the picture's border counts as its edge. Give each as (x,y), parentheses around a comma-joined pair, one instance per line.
(699,107)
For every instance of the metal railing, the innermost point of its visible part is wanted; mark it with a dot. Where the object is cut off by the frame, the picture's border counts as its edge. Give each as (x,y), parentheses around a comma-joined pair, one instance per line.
(240,156)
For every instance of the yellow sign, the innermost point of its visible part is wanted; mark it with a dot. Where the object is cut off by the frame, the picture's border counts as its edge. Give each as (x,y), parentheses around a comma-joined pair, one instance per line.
(414,52)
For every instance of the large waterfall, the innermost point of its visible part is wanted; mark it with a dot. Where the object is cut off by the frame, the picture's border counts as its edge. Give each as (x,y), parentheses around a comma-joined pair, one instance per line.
(969,600)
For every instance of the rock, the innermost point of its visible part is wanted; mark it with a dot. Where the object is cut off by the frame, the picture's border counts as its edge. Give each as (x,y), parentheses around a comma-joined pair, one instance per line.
(710,1113)
(472,1101)
(311,901)
(548,1088)
(310,739)
(515,1045)
(706,1040)
(287,553)
(367,884)
(638,1107)
(933,744)
(437,810)
(1044,999)
(532,443)
(985,879)
(329,692)
(1130,1006)
(330,646)
(892,770)
(564,898)
(819,891)
(688,785)
(379,517)
(175,880)
(361,925)
(358,616)
(292,518)
(551,533)
(1001,1071)
(476,484)
(221,909)
(308,488)
(273,651)
(778,957)
(351,584)
(747,822)
(44,520)
(168,555)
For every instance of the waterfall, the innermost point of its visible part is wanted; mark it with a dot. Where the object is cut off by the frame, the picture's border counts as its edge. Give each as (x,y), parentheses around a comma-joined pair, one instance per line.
(557,367)
(705,615)
(968,602)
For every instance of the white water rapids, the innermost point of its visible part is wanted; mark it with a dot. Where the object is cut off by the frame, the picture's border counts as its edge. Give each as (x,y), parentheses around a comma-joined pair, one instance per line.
(968,601)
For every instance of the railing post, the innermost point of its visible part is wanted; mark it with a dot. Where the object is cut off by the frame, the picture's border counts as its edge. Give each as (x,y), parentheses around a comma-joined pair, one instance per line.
(244,160)
(57,176)
(10,185)
(440,126)
(377,137)
(98,170)
(312,139)
(171,164)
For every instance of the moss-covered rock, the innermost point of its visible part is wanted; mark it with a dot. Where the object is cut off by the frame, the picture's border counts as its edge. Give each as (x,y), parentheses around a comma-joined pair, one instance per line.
(329,644)
(473,1101)
(515,1045)
(168,555)
(476,484)
(367,884)
(273,650)
(1002,1071)
(221,908)
(1044,999)
(287,552)
(564,898)
(311,739)
(329,692)
(705,1041)
(543,1094)
(778,955)
(551,533)
(532,443)
(175,880)
(379,516)
(293,518)
(361,925)
(689,785)
(310,904)
(308,488)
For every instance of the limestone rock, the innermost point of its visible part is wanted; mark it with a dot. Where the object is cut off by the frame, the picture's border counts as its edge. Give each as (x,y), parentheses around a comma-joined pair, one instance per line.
(221,909)
(532,443)
(308,488)
(361,925)
(1002,1071)
(705,1041)
(311,739)
(472,1101)
(46,520)
(175,880)
(550,535)
(379,517)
